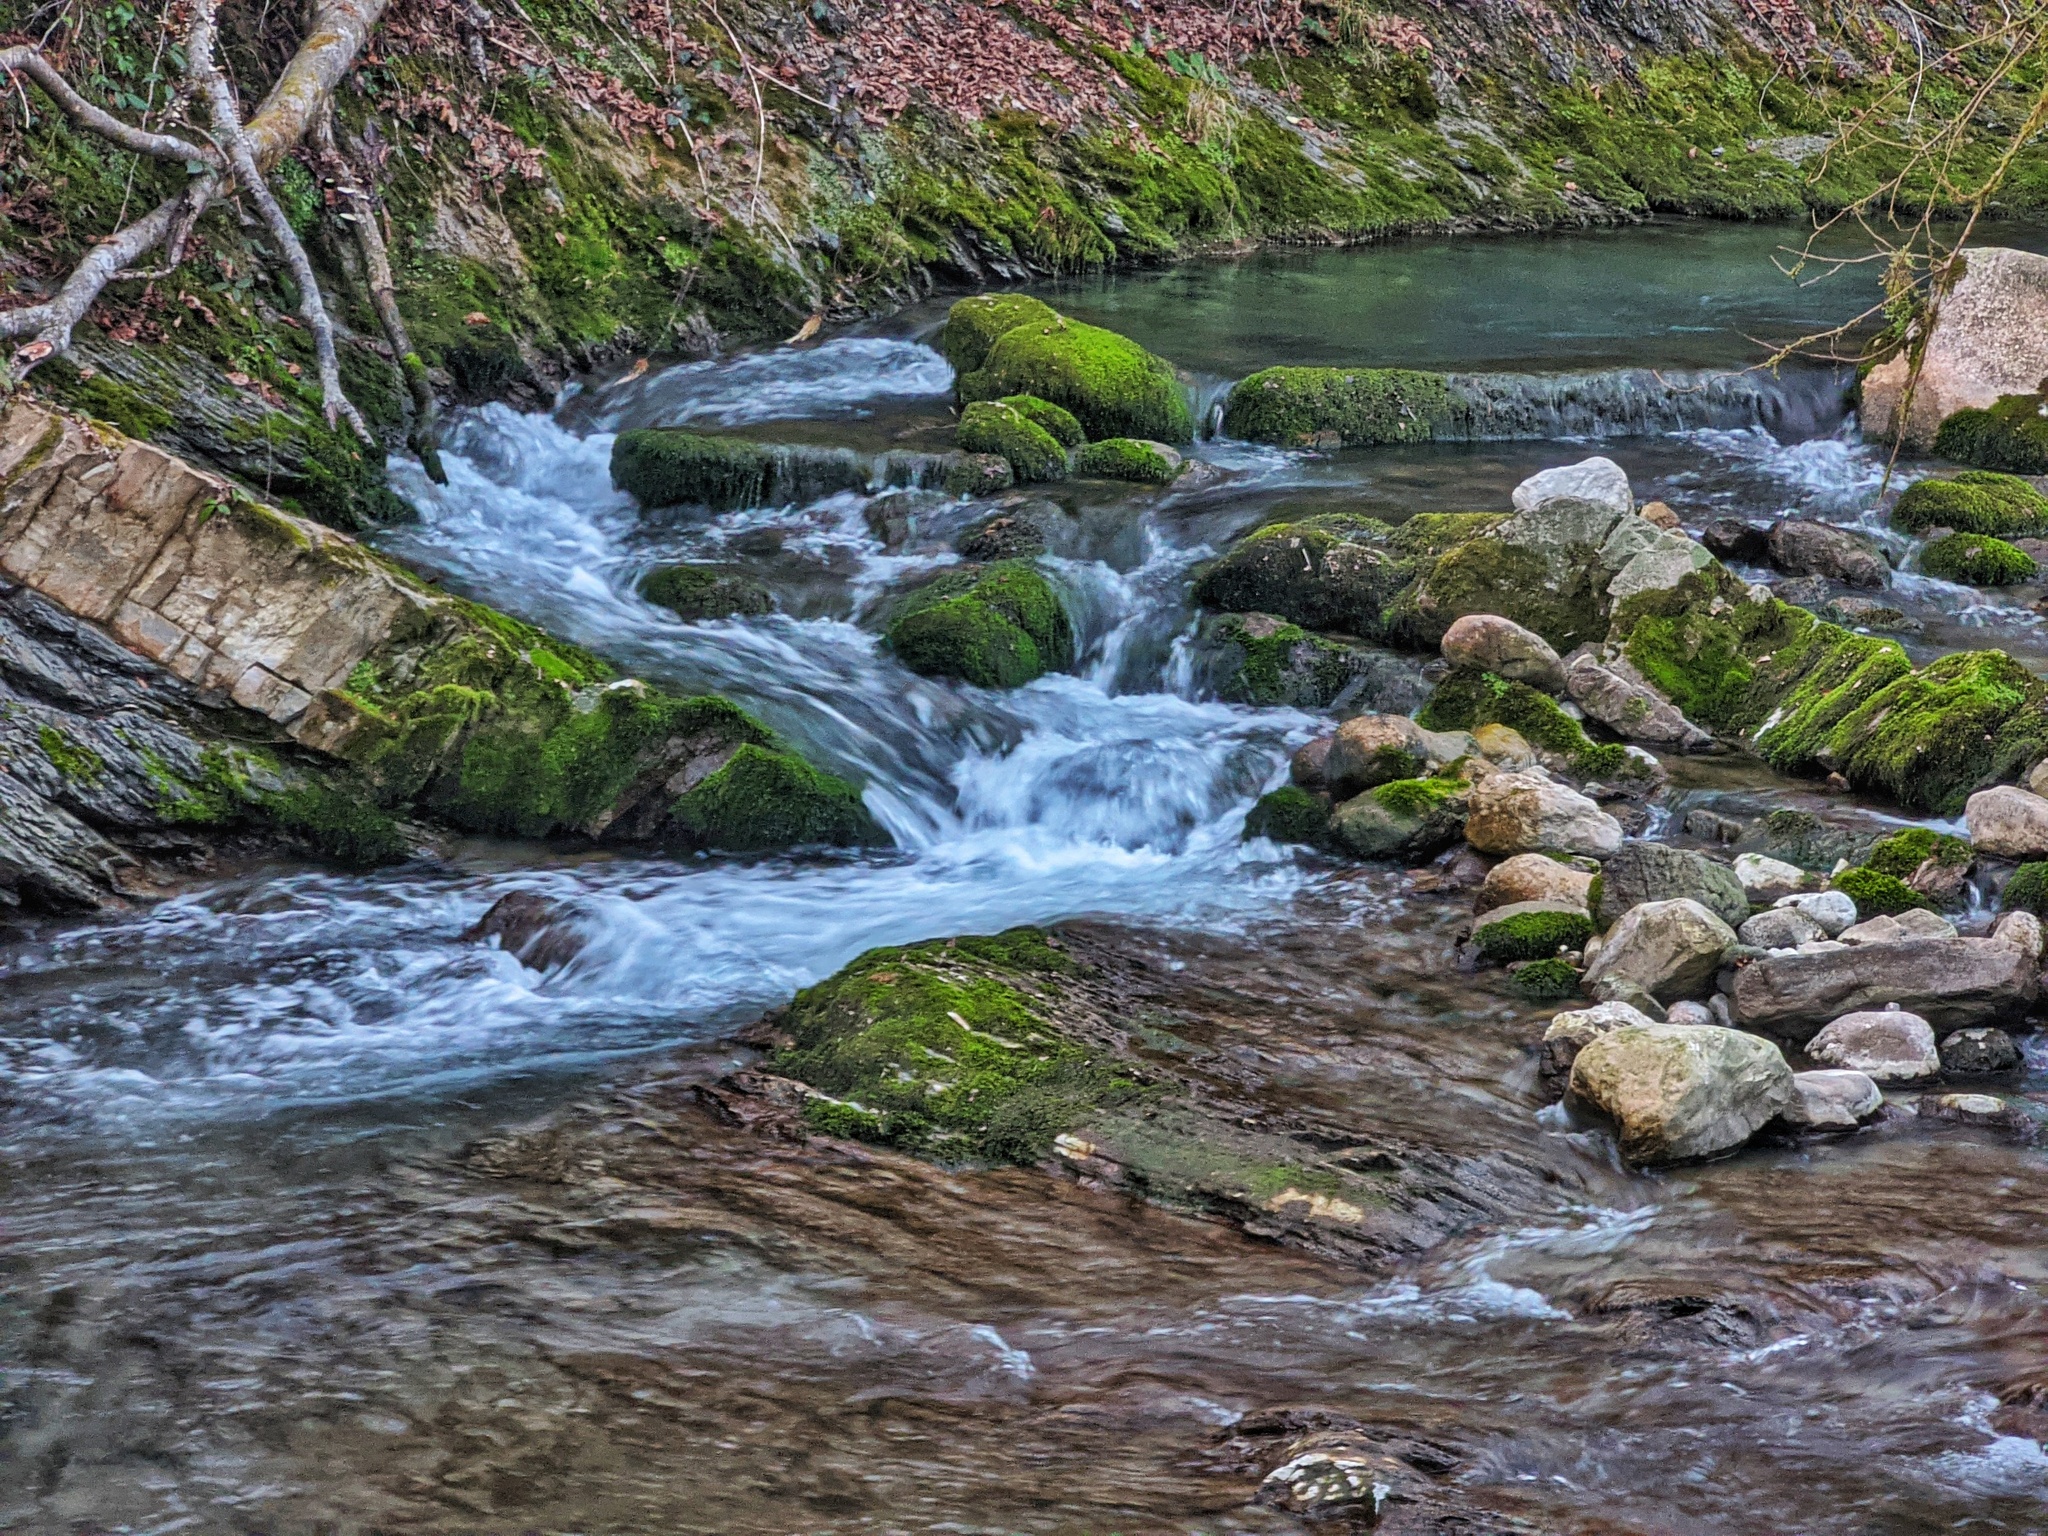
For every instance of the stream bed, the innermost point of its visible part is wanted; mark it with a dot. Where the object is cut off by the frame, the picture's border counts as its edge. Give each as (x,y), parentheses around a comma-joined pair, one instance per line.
(255,1275)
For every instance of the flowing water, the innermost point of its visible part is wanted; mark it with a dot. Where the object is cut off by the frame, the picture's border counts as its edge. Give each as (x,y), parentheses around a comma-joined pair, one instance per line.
(254,1281)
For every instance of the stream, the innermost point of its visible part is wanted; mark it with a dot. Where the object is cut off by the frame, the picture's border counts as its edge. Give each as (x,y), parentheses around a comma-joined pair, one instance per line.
(252,1281)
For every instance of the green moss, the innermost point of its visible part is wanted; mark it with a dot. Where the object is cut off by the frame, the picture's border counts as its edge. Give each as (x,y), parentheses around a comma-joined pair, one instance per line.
(1416,797)
(1289,814)
(1933,736)
(2011,434)
(668,466)
(2026,891)
(1283,665)
(1532,935)
(1034,454)
(125,409)
(345,826)
(1113,386)
(1877,894)
(764,798)
(1124,458)
(1056,420)
(1468,699)
(697,592)
(1403,818)
(974,325)
(1561,598)
(1978,561)
(1545,981)
(997,626)
(1333,572)
(74,761)
(1903,852)
(1976,501)
(950,1049)
(1337,407)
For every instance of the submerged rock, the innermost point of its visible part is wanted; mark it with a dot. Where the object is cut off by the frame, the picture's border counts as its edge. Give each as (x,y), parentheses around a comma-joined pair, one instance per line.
(1888,1046)
(537,930)
(1671,949)
(1679,1092)
(1832,1100)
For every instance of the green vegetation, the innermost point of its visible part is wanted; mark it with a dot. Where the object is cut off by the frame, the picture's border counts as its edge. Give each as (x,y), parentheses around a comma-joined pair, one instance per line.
(2011,434)
(1468,699)
(1561,596)
(1903,852)
(1289,814)
(1337,407)
(695,592)
(973,325)
(996,626)
(1545,981)
(1033,454)
(1403,818)
(764,798)
(669,466)
(74,761)
(1113,386)
(1531,935)
(950,1049)
(1978,561)
(1283,664)
(2026,891)
(1055,420)
(1877,894)
(1335,572)
(1125,458)
(1976,501)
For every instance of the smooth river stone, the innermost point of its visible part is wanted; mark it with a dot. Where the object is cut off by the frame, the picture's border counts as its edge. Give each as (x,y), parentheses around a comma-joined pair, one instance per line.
(2007,821)
(1952,983)
(1680,1091)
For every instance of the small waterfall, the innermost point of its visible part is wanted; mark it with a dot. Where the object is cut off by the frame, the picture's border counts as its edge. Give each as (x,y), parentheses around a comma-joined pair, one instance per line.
(1796,403)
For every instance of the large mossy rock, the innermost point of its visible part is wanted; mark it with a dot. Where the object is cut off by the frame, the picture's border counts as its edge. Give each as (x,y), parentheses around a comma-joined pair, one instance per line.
(1401,819)
(1113,386)
(1129,460)
(1559,593)
(1337,407)
(996,626)
(973,325)
(671,467)
(1466,700)
(1645,872)
(2009,434)
(697,592)
(1259,658)
(1978,501)
(995,426)
(1976,560)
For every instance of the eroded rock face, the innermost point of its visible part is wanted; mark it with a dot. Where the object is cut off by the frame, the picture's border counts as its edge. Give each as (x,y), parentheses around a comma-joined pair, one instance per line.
(2007,821)
(1671,949)
(1489,643)
(1888,1045)
(1678,1092)
(1631,708)
(1952,983)
(1990,339)
(1512,813)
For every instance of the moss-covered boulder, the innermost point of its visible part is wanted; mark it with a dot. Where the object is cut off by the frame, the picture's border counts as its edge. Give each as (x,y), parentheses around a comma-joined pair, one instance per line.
(696,592)
(1531,930)
(1878,894)
(1401,819)
(1126,458)
(974,324)
(763,798)
(1903,853)
(1289,814)
(2010,434)
(1259,658)
(1337,407)
(1977,501)
(1057,421)
(949,1049)
(996,626)
(1977,560)
(1335,572)
(2026,891)
(671,467)
(1113,386)
(1033,454)
(1467,700)
(1561,594)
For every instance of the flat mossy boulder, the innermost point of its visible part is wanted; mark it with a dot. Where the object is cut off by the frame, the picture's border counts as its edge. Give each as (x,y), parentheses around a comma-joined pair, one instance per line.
(1337,407)
(1259,658)
(1289,814)
(1333,572)
(992,426)
(949,1049)
(1057,421)
(1977,560)
(995,626)
(1531,930)
(1401,819)
(695,592)
(1559,594)
(491,725)
(1113,386)
(974,324)
(1126,458)
(1976,501)
(672,467)
(2009,434)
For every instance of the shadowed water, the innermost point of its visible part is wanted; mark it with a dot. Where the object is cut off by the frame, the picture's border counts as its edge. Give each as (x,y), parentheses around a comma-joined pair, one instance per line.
(257,1280)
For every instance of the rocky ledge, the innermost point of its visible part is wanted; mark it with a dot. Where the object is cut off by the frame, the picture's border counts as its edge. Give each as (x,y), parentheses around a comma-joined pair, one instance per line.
(183,667)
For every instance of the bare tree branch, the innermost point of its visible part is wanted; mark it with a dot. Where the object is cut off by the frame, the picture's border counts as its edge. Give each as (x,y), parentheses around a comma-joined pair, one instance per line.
(24,60)
(333,40)
(228,128)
